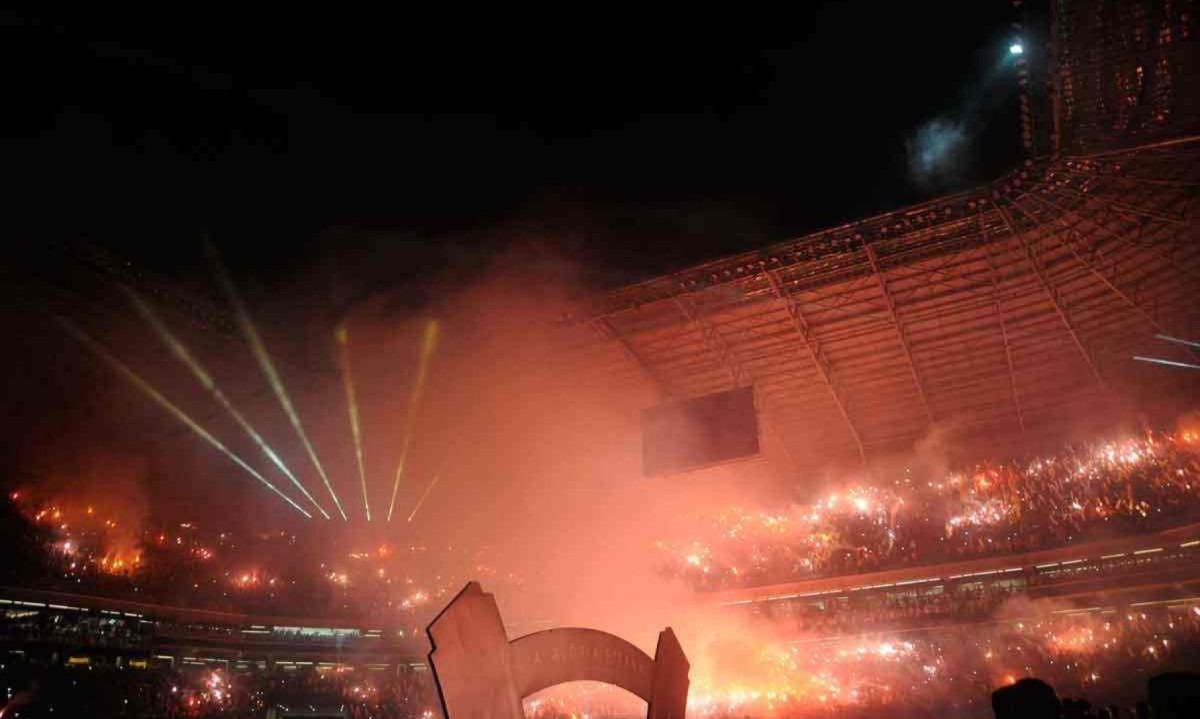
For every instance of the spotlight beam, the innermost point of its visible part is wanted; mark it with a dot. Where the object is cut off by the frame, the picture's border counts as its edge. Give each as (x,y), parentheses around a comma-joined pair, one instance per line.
(343,338)
(128,373)
(1176,340)
(182,353)
(428,345)
(246,325)
(424,494)
(1169,363)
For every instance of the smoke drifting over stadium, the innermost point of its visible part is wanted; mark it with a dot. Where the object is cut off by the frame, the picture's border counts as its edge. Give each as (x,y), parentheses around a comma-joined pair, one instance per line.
(878,418)
(937,152)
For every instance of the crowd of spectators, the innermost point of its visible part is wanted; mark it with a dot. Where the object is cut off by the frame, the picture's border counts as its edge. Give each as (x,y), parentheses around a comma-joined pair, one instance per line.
(303,575)
(879,611)
(40,691)
(1085,492)
(1105,655)
(73,629)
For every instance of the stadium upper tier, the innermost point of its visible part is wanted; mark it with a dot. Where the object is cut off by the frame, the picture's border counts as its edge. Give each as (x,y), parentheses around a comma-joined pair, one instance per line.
(998,314)
(1085,492)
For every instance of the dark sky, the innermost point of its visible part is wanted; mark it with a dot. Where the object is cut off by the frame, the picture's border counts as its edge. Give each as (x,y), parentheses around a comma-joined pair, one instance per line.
(638,143)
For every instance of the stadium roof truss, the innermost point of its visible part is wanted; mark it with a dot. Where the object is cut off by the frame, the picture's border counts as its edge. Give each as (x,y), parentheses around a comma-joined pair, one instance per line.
(997,311)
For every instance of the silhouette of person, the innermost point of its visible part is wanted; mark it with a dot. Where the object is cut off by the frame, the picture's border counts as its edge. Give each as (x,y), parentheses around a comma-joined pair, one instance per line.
(1027,699)
(1174,695)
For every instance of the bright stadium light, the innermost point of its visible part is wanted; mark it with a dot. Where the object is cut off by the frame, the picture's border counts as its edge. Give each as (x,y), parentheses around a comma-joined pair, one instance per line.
(205,379)
(259,350)
(428,344)
(1176,340)
(424,494)
(135,379)
(1167,362)
(343,338)
(1016,49)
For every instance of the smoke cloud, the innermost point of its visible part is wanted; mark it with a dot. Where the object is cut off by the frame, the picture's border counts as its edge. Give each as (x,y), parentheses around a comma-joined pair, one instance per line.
(937,153)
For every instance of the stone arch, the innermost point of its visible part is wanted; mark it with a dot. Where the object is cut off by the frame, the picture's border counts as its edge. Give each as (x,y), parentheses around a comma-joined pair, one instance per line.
(480,674)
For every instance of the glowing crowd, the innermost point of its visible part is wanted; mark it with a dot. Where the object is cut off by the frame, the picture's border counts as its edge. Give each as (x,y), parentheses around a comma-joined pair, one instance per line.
(278,573)
(108,691)
(1086,491)
(790,659)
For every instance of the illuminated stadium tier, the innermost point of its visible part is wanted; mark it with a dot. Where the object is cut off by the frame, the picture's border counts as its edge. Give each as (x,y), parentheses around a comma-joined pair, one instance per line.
(999,312)
(101,630)
(1145,570)
(1126,73)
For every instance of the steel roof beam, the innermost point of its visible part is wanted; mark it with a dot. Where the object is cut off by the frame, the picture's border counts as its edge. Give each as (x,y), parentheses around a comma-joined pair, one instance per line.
(896,324)
(1052,295)
(820,360)
(1109,231)
(1133,304)
(737,374)
(606,330)
(1008,357)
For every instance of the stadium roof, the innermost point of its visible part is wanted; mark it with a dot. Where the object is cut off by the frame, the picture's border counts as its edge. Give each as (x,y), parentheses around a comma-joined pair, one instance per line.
(1003,312)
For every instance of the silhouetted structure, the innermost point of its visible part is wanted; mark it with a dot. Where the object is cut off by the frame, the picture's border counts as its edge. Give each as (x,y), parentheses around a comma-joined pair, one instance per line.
(1174,695)
(1026,699)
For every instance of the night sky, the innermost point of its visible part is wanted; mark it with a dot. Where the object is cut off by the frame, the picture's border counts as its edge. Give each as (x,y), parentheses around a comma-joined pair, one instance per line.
(639,144)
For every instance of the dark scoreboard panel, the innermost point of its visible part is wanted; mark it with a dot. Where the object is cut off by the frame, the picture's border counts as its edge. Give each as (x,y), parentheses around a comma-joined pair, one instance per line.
(694,433)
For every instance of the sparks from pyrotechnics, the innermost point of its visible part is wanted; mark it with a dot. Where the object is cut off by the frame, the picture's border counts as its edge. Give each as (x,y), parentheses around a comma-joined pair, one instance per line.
(428,344)
(250,332)
(424,494)
(128,373)
(341,334)
(182,353)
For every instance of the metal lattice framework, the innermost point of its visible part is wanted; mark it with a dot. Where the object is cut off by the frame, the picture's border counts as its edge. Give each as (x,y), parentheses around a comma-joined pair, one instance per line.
(996,312)
(1125,72)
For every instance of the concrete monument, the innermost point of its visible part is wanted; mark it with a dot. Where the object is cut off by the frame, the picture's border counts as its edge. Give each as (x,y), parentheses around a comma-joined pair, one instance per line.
(482,675)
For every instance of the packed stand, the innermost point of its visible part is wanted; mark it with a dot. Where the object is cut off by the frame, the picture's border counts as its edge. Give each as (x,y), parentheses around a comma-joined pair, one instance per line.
(83,549)
(38,691)
(1086,492)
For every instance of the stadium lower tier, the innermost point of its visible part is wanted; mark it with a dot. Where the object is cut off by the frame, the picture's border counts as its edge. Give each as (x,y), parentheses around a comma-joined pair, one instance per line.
(1147,568)
(1094,619)
(1104,653)
(49,691)
(84,630)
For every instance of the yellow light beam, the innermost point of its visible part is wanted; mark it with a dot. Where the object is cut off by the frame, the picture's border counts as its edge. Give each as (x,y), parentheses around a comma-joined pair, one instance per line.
(429,342)
(343,339)
(182,353)
(128,373)
(424,494)
(250,332)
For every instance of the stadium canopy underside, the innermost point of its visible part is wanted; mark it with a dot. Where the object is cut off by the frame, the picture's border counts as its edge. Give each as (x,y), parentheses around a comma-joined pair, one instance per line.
(1005,314)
